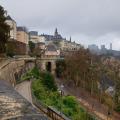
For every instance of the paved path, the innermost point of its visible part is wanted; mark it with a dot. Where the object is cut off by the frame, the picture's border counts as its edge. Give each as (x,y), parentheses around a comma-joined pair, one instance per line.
(13,106)
(24,89)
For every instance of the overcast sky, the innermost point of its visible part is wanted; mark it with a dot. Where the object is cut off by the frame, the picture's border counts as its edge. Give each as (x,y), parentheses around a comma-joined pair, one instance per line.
(87,21)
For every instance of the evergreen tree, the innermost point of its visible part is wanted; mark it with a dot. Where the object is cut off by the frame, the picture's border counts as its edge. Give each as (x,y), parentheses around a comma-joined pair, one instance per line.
(31,46)
(4,30)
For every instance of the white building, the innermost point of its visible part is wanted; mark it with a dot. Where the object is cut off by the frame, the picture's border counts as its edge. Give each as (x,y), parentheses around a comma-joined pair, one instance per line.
(35,38)
(13,28)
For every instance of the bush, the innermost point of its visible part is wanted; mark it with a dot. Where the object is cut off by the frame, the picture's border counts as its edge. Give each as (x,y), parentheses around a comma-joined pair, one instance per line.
(35,73)
(117,109)
(48,81)
(70,102)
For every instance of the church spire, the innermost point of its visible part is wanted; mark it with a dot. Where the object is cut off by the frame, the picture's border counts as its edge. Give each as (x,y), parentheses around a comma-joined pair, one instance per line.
(56,32)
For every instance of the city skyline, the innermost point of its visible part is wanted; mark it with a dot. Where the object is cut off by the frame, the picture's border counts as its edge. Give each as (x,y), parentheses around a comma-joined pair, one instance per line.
(88,22)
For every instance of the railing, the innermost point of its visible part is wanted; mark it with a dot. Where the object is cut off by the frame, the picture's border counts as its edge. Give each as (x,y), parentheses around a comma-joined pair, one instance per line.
(49,111)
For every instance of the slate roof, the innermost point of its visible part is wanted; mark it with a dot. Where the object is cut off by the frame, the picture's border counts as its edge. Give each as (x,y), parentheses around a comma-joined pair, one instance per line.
(22,28)
(51,47)
(9,18)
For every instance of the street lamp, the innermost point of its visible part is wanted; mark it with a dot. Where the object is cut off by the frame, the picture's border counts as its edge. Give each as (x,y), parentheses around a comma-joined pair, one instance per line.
(61,94)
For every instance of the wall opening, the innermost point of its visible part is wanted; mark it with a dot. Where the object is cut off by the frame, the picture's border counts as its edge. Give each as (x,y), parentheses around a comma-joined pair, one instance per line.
(49,66)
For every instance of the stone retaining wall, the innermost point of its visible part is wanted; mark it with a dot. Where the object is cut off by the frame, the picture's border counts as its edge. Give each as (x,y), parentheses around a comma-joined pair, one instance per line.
(10,68)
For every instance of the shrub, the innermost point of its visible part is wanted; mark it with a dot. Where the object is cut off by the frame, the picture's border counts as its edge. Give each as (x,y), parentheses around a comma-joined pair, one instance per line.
(35,72)
(48,81)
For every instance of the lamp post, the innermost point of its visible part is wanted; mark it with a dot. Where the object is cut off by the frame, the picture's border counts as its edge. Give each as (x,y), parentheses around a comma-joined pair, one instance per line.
(61,94)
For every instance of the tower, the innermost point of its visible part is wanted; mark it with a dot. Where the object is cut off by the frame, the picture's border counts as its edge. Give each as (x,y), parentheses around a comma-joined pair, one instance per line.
(70,38)
(110,46)
(56,32)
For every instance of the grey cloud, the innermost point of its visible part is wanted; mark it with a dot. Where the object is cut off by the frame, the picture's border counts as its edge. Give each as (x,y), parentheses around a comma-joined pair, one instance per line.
(88,21)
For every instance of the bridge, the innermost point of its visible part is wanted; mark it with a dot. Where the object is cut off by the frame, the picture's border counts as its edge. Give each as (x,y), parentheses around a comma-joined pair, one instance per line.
(44,63)
(19,104)
(12,69)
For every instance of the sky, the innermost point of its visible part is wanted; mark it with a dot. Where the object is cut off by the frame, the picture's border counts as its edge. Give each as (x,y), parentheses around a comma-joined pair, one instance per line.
(86,21)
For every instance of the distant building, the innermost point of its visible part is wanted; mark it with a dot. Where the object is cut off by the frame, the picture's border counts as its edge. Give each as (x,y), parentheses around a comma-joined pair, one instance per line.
(52,51)
(13,28)
(93,47)
(23,37)
(33,33)
(103,51)
(56,36)
(60,42)
(103,47)
(41,46)
(110,46)
(35,38)
(42,39)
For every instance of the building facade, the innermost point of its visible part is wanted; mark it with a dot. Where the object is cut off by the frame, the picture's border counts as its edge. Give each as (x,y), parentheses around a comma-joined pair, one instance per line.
(23,37)
(60,42)
(35,38)
(13,28)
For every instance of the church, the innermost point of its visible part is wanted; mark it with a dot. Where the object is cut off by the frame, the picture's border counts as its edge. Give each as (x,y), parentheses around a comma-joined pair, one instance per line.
(60,42)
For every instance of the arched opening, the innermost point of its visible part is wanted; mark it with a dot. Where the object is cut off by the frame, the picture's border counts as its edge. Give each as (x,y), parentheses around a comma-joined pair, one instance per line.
(48,66)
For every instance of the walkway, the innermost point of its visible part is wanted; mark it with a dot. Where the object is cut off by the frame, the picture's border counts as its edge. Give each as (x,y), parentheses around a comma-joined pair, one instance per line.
(24,89)
(13,106)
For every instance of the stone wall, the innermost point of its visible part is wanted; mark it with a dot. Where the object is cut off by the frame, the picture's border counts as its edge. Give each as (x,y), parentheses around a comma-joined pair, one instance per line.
(10,69)
(17,48)
(41,63)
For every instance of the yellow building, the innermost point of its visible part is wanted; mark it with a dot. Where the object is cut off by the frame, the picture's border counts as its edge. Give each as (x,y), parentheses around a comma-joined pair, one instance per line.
(22,35)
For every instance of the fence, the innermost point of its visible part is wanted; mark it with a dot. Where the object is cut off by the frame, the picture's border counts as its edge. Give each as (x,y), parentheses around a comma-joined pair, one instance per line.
(49,111)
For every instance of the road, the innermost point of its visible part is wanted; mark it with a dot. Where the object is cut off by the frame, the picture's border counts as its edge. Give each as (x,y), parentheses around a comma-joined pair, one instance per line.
(24,89)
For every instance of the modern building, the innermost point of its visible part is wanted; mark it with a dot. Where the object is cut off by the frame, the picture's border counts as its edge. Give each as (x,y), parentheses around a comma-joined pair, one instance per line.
(110,46)
(103,47)
(93,48)
(13,28)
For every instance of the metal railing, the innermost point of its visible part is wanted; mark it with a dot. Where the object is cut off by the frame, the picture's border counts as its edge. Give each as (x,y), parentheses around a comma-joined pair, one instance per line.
(49,111)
